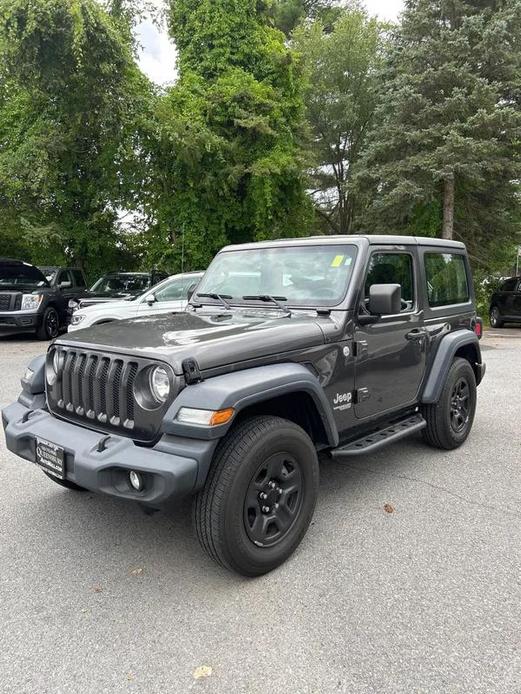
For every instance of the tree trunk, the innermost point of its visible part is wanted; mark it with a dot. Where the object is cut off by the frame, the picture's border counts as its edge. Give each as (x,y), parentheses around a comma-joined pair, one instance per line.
(448,207)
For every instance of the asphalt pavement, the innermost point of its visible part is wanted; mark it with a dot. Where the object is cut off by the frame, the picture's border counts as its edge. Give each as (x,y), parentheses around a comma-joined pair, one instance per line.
(409,579)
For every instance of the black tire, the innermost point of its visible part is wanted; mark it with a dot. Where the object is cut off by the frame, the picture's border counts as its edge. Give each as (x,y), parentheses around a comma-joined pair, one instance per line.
(449,421)
(495,318)
(259,451)
(65,483)
(50,325)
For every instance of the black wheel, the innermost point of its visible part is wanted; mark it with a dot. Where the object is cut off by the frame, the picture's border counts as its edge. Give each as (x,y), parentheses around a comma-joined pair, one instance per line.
(449,421)
(65,483)
(495,318)
(259,497)
(50,326)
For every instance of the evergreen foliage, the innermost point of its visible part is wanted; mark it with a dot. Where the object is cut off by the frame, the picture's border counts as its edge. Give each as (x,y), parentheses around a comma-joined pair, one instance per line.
(449,124)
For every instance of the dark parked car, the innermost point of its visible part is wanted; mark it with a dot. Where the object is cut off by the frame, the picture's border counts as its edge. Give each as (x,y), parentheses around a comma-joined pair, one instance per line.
(338,345)
(70,280)
(28,303)
(121,285)
(505,305)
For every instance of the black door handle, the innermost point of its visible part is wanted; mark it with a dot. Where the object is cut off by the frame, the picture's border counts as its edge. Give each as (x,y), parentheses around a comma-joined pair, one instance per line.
(416,334)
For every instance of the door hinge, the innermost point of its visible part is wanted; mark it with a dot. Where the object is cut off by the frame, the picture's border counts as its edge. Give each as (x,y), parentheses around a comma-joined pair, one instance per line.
(361,394)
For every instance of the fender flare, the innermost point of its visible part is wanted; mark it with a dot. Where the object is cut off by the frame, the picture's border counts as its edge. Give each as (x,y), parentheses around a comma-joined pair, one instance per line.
(443,359)
(240,390)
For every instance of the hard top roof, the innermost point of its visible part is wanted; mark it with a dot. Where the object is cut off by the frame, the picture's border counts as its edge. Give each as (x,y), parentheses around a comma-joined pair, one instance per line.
(376,239)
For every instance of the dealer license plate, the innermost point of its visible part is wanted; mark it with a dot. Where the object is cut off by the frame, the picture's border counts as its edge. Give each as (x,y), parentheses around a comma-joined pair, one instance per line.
(50,458)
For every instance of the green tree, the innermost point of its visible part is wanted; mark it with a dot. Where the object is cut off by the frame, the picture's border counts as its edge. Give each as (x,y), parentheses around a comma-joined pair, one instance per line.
(447,139)
(343,92)
(69,94)
(233,123)
(287,14)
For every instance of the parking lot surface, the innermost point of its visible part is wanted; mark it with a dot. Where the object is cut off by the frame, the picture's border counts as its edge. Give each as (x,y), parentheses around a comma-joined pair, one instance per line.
(409,579)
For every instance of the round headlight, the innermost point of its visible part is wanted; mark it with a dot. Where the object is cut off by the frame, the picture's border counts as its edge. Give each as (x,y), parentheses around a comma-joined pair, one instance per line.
(52,367)
(159,384)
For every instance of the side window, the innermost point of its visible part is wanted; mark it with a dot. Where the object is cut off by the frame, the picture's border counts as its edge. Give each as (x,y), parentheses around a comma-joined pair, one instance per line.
(447,281)
(79,280)
(175,291)
(392,268)
(63,276)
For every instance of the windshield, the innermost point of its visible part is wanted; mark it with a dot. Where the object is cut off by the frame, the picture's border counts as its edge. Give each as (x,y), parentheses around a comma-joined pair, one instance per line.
(301,275)
(19,275)
(121,284)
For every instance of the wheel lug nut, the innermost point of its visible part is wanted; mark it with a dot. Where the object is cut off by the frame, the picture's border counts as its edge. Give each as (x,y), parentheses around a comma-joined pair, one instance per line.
(265,509)
(276,506)
(272,485)
(279,491)
(263,496)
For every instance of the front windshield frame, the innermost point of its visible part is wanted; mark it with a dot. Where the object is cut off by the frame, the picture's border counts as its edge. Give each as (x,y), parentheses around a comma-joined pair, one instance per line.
(337,250)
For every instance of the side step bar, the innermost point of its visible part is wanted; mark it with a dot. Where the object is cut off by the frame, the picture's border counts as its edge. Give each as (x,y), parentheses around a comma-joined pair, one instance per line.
(377,439)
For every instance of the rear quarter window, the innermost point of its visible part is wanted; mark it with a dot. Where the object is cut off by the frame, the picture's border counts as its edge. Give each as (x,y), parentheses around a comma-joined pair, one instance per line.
(447,279)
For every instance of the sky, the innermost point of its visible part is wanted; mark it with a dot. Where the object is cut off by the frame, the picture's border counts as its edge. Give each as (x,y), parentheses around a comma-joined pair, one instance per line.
(157,56)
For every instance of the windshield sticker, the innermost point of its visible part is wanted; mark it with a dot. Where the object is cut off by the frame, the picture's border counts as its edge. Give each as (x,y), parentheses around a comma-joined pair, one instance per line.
(337,261)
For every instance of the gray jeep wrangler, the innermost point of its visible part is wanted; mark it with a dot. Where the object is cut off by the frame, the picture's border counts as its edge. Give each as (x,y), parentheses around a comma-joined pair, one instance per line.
(334,345)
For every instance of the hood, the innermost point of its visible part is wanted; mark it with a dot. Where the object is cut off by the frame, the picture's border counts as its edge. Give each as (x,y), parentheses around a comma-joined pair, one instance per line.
(212,339)
(110,295)
(89,309)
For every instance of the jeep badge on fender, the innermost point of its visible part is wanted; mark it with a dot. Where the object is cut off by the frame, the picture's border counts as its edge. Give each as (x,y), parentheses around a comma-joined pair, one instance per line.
(232,400)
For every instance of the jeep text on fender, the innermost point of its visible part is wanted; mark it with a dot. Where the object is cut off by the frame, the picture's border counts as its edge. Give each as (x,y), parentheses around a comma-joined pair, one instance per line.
(288,348)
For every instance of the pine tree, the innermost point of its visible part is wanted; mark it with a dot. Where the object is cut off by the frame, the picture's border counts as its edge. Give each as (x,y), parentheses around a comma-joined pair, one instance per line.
(447,141)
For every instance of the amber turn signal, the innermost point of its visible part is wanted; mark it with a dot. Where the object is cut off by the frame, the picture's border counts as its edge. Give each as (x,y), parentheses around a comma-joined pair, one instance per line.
(221,416)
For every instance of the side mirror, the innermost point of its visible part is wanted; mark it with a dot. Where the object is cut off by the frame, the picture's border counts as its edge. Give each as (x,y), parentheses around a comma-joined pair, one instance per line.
(65,285)
(151,299)
(385,299)
(191,290)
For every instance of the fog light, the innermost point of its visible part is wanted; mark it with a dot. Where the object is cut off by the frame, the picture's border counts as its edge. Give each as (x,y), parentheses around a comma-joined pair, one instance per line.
(136,481)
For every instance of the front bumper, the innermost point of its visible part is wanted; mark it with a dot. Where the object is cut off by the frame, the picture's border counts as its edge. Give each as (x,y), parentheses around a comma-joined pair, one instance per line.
(170,468)
(16,322)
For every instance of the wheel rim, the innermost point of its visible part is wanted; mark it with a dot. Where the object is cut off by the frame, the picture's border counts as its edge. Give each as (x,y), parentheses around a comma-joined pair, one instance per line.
(51,324)
(460,405)
(273,500)
(494,317)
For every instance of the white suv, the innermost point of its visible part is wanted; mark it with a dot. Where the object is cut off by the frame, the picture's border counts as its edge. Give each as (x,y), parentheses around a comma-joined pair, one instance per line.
(167,296)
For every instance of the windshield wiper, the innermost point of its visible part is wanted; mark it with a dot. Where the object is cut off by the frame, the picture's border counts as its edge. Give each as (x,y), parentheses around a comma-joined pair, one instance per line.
(218,297)
(269,298)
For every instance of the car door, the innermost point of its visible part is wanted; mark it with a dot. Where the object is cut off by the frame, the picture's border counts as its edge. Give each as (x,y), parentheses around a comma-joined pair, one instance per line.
(169,297)
(65,284)
(391,352)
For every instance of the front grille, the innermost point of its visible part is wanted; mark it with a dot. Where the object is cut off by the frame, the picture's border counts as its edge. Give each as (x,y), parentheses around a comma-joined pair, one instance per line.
(97,389)
(5,302)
